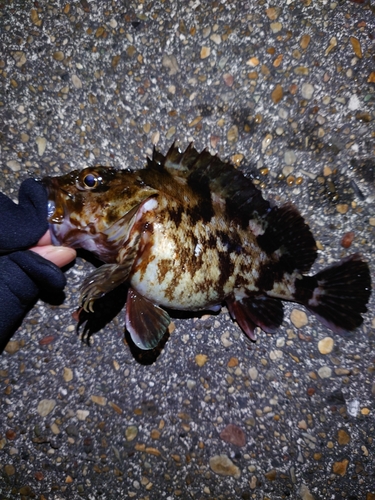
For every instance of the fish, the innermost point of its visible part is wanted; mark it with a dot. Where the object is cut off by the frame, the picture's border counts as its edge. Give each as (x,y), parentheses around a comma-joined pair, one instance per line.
(190,232)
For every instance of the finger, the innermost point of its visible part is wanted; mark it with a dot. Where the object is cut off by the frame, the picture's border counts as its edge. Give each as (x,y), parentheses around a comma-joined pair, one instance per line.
(61,256)
(45,239)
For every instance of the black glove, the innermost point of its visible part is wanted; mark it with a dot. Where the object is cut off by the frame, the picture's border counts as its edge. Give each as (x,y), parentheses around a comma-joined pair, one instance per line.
(23,274)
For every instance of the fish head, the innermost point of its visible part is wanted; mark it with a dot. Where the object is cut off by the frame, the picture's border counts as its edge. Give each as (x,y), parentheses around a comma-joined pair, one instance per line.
(84,205)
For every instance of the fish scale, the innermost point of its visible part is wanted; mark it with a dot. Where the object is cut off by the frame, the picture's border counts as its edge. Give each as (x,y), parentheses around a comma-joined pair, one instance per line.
(191,232)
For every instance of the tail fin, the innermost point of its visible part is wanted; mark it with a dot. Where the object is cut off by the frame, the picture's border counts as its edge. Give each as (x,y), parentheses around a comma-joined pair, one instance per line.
(338,294)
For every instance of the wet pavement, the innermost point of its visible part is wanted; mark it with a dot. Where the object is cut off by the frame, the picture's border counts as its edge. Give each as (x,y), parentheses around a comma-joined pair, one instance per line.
(286,91)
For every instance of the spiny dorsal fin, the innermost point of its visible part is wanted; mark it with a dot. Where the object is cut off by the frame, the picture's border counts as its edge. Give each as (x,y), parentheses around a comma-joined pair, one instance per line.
(204,173)
(178,161)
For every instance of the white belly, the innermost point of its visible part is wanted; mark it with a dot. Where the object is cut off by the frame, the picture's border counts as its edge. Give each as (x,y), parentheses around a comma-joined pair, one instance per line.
(174,275)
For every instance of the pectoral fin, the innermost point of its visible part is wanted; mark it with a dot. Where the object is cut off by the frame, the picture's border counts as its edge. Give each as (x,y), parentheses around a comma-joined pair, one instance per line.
(120,230)
(146,322)
(107,278)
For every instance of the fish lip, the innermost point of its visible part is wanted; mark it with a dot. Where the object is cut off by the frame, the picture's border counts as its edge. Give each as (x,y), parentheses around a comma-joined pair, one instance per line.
(54,192)
(52,231)
(56,213)
(51,189)
(48,184)
(52,226)
(51,208)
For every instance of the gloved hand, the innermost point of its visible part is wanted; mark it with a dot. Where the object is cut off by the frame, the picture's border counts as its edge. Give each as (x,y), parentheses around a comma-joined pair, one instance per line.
(24,274)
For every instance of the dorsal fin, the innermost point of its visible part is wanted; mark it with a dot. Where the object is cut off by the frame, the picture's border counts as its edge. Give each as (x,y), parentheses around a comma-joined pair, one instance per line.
(205,173)
(175,160)
(287,232)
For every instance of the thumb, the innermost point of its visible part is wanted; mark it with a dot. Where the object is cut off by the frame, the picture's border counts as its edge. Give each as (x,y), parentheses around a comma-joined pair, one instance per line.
(60,256)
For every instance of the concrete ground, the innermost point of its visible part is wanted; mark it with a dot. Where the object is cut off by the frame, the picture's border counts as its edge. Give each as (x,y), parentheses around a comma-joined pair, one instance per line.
(286,91)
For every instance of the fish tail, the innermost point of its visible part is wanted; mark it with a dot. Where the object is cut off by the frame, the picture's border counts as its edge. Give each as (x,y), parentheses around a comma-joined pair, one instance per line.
(337,295)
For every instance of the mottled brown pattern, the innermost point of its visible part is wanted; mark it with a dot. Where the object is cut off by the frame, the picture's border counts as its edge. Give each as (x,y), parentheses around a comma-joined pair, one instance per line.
(188,232)
(145,249)
(213,249)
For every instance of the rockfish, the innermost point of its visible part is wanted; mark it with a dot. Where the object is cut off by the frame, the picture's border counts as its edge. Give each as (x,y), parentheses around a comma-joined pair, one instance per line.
(190,232)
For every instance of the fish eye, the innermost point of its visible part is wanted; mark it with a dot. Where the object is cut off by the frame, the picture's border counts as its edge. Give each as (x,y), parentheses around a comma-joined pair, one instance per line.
(90,181)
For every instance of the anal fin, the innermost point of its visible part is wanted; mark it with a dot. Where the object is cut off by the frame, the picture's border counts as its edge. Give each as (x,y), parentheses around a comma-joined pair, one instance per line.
(262,311)
(146,322)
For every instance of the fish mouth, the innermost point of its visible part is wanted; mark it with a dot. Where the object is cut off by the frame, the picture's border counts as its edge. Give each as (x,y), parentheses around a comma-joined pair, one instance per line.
(62,230)
(56,215)
(55,204)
